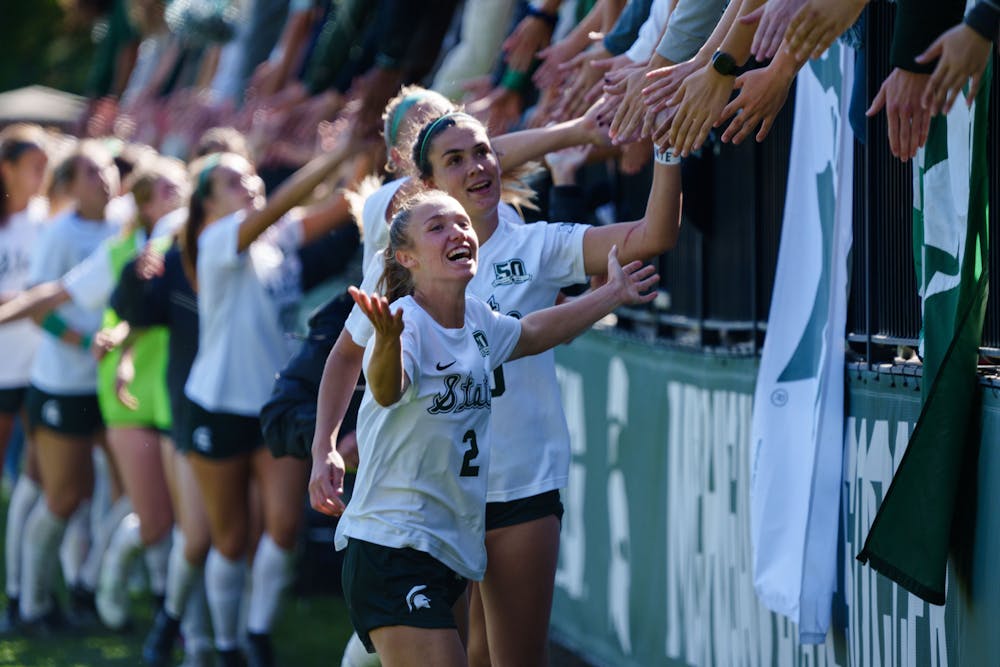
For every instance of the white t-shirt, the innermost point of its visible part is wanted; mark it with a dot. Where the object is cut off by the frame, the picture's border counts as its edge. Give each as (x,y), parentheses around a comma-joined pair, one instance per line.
(521,270)
(246,303)
(424,461)
(19,339)
(91,282)
(650,32)
(60,368)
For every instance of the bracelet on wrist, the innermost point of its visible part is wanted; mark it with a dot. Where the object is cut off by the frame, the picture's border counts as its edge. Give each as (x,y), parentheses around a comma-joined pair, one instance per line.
(665,156)
(85,342)
(551,19)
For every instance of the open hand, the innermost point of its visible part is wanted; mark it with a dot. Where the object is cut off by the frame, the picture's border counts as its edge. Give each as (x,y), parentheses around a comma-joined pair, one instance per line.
(376,309)
(632,280)
(961,55)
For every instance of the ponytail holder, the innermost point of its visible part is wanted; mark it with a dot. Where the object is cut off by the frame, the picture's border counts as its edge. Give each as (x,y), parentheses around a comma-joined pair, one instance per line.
(398,114)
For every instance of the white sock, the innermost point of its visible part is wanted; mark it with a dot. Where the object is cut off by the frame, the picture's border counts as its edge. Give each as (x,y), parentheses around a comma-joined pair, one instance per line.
(125,545)
(106,527)
(157,557)
(272,571)
(224,587)
(42,533)
(75,543)
(181,577)
(195,625)
(22,500)
(100,499)
(356,655)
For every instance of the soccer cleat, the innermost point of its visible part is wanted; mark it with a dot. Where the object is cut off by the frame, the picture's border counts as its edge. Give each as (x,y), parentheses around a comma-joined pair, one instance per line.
(158,649)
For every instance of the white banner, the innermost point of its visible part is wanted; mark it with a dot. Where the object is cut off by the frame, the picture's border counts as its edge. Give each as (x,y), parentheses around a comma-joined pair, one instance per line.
(798,416)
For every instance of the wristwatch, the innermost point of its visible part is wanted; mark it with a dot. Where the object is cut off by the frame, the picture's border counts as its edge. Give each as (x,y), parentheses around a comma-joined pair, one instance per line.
(724,64)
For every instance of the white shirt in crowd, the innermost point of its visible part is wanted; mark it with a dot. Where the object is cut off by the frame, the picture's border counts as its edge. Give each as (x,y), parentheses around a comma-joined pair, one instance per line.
(91,282)
(246,305)
(19,339)
(60,368)
(521,270)
(425,460)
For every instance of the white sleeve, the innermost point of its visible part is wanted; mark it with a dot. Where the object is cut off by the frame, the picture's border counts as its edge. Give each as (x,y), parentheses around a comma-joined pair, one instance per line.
(650,32)
(288,231)
(219,241)
(358,325)
(91,282)
(562,255)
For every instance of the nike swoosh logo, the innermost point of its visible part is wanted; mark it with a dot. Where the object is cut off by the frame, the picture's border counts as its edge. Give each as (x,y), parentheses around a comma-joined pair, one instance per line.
(442,367)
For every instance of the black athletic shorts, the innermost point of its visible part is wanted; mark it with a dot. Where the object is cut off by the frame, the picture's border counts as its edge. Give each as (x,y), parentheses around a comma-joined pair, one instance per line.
(11,400)
(180,420)
(523,510)
(221,435)
(387,586)
(78,416)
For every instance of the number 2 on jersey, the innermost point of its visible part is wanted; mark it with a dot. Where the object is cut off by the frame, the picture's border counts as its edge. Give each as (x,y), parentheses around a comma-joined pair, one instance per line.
(469,470)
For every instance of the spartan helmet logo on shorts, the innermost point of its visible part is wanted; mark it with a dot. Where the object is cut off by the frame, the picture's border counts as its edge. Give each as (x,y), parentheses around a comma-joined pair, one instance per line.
(417,600)
(51,414)
(201,438)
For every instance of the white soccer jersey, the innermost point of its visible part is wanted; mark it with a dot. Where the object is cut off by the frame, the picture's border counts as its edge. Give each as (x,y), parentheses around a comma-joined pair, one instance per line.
(20,339)
(521,270)
(60,368)
(373,218)
(424,461)
(246,303)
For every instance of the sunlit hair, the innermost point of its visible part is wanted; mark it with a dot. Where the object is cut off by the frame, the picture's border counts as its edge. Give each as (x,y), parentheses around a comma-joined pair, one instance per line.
(202,184)
(513,189)
(399,133)
(222,140)
(142,184)
(396,280)
(15,141)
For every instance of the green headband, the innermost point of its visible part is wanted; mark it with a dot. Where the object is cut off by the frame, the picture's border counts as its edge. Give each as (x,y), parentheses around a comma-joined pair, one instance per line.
(398,114)
(211,162)
(432,128)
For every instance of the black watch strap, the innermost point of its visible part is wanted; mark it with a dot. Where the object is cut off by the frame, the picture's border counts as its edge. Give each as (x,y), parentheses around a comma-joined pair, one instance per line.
(724,64)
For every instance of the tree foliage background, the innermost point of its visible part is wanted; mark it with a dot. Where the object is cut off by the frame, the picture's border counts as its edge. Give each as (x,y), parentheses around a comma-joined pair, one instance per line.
(47,42)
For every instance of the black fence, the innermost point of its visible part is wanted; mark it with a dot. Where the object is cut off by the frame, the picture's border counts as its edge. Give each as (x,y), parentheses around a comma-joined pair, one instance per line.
(716,285)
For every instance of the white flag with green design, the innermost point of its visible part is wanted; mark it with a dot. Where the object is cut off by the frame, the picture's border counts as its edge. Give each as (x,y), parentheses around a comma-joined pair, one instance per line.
(909,537)
(798,414)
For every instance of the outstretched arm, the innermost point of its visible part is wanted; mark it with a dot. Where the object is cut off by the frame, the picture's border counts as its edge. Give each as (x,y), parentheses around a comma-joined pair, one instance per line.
(544,329)
(516,148)
(642,239)
(340,377)
(385,376)
(36,302)
(292,191)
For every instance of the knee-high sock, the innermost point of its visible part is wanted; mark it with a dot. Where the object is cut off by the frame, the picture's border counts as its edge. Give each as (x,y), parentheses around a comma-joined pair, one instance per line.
(356,655)
(75,543)
(157,557)
(195,624)
(125,545)
(42,533)
(26,493)
(106,527)
(181,578)
(272,571)
(224,587)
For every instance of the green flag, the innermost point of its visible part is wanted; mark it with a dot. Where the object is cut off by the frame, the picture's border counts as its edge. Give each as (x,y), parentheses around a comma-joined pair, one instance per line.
(909,537)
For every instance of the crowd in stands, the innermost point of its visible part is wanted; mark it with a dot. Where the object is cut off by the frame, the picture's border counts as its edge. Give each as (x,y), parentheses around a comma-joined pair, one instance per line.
(237,154)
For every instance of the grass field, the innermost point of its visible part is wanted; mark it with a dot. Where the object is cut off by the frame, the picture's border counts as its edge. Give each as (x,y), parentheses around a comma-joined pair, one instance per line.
(312,631)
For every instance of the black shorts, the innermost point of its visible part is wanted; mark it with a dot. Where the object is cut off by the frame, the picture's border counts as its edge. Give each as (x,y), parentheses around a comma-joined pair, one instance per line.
(11,400)
(220,435)
(180,419)
(69,415)
(523,510)
(387,586)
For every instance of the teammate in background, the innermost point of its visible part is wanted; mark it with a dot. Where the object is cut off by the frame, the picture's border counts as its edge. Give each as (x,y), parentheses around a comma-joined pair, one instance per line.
(23,162)
(524,267)
(63,413)
(240,253)
(423,429)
